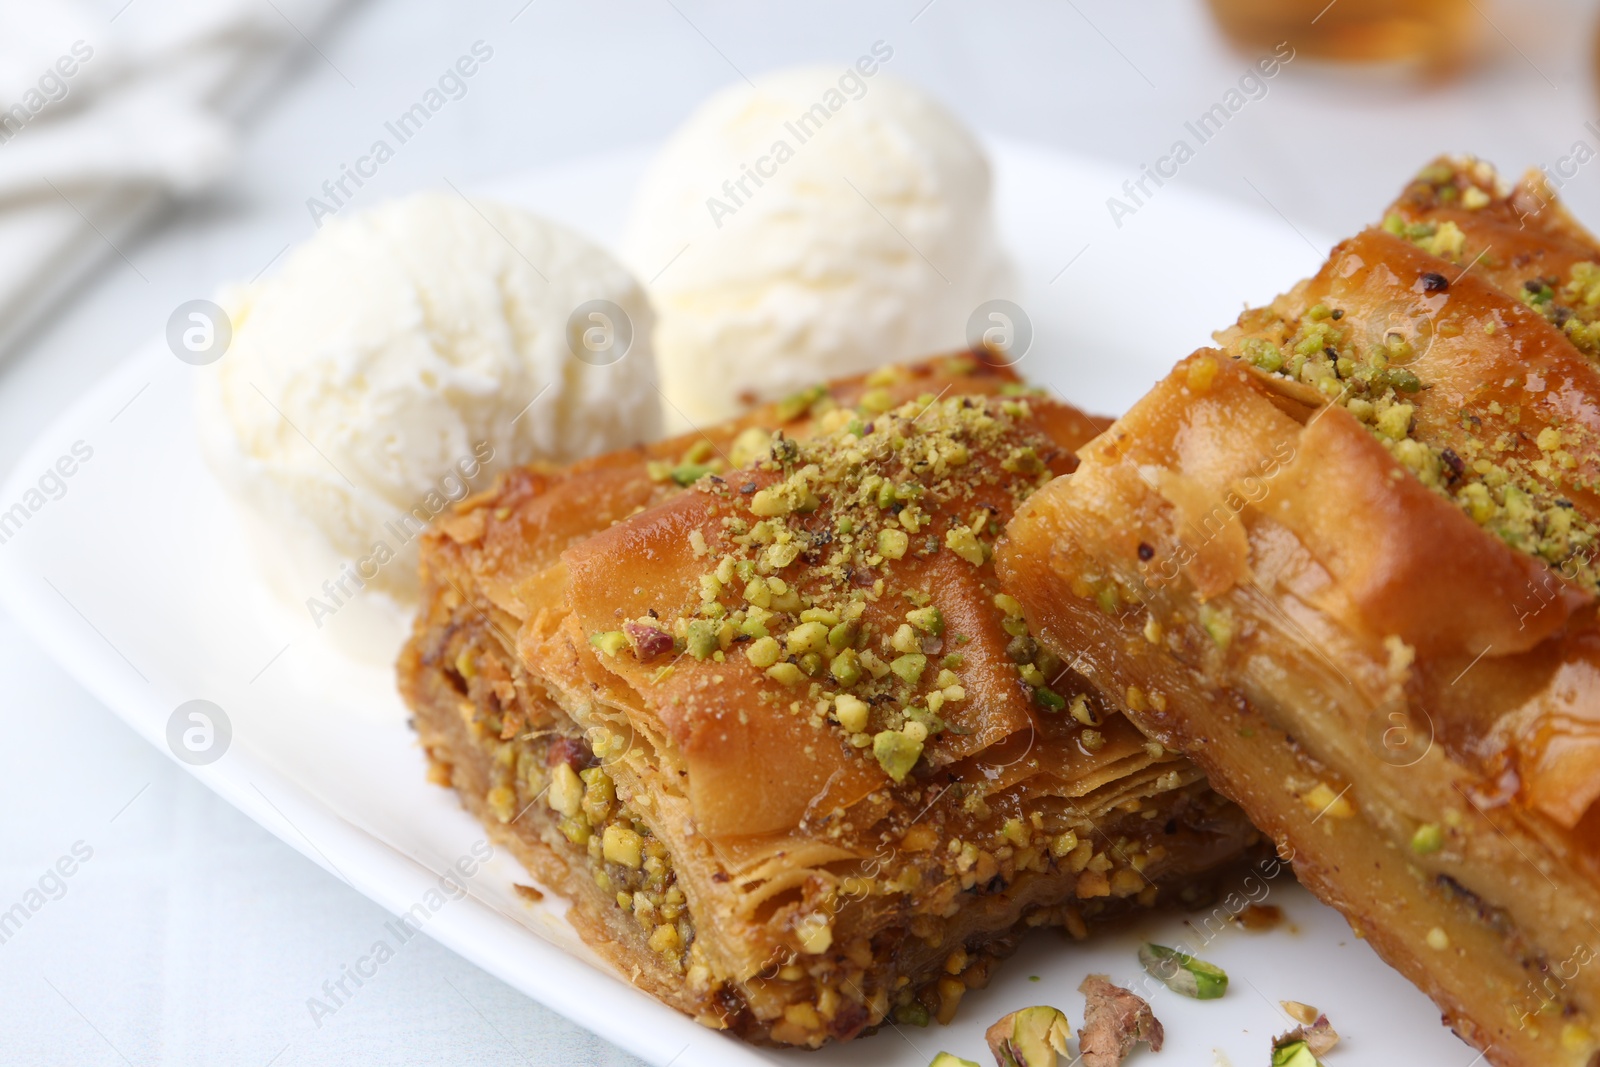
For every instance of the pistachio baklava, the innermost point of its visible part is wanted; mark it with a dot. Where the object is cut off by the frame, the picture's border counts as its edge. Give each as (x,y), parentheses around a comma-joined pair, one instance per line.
(755,701)
(1345,561)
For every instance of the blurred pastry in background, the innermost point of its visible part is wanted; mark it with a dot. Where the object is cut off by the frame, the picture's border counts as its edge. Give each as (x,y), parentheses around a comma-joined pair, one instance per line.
(826,221)
(1439,36)
(397,361)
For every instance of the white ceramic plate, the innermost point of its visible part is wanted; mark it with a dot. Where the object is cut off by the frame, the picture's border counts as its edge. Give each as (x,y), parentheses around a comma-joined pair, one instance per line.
(134,580)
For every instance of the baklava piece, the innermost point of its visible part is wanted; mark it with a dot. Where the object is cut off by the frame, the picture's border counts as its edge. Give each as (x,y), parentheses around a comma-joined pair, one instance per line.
(755,702)
(1345,562)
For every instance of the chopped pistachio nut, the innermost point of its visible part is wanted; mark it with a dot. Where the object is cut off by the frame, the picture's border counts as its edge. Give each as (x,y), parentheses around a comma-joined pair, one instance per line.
(815,933)
(807,637)
(502,802)
(896,753)
(964,543)
(566,791)
(623,846)
(1023,461)
(576,830)
(909,667)
(1263,354)
(701,640)
(1293,1054)
(792,407)
(1183,973)
(763,652)
(1217,621)
(768,503)
(1428,839)
(1049,699)
(779,556)
(1032,1037)
(610,642)
(892,543)
(749,446)
(851,712)
(786,674)
(689,473)
(847,668)
(843,635)
(905,639)
(666,940)
(876,401)
(599,794)
(1324,801)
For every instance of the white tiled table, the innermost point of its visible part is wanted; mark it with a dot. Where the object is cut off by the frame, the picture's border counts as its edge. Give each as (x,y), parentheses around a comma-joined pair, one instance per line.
(193,936)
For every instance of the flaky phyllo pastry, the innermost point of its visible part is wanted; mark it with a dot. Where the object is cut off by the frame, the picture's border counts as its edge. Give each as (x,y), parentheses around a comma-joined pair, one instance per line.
(756,702)
(1346,562)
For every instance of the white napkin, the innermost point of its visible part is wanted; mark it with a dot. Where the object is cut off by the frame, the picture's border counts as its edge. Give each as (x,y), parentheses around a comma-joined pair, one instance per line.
(109,110)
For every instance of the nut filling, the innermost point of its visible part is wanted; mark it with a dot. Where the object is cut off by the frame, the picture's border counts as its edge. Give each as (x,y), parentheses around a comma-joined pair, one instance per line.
(563,774)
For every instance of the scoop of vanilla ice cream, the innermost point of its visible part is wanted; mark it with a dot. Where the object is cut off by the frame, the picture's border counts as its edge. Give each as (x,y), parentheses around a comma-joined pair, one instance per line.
(396,362)
(819,224)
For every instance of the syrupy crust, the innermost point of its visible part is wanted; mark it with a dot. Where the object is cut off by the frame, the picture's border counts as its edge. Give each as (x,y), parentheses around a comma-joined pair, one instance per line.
(1509,925)
(678,801)
(1201,836)
(1345,563)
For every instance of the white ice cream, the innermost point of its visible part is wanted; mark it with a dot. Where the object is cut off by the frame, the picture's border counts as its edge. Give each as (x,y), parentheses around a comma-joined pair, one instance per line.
(823,223)
(395,363)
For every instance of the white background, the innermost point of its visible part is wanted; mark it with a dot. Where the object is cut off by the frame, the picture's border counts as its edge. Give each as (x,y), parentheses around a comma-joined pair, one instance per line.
(193,936)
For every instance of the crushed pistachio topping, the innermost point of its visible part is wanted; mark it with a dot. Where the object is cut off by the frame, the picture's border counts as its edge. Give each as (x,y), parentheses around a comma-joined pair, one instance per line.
(1571,304)
(1468,183)
(1521,498)
(1442,239)
(697,461)
(807,539)
(898,487)
(1516,498)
